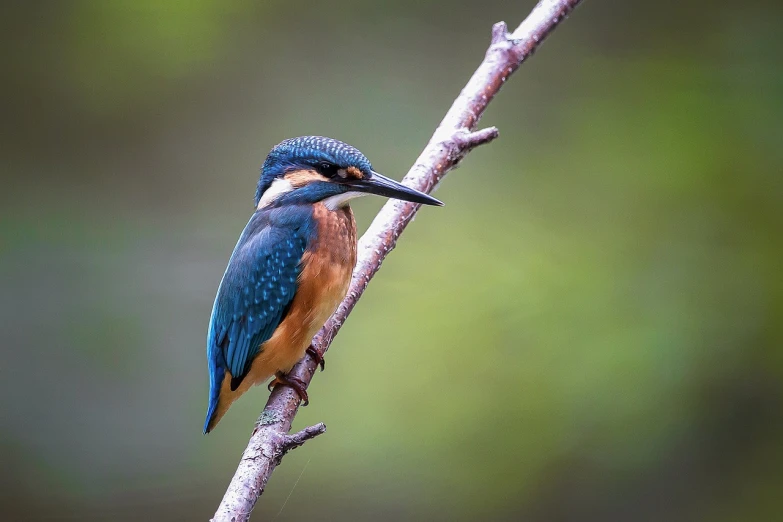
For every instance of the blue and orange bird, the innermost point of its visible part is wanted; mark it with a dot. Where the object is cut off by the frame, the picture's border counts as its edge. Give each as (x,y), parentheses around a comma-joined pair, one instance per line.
(291,266)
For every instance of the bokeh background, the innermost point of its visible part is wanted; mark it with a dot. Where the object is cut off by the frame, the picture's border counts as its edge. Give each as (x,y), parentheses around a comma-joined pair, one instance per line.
(590,330)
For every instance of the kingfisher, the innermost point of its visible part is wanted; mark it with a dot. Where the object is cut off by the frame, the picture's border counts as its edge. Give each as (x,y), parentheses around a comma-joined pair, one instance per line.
(291,267)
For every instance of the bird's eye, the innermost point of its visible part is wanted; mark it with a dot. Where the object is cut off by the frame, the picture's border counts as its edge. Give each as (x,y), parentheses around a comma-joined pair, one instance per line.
(327,169)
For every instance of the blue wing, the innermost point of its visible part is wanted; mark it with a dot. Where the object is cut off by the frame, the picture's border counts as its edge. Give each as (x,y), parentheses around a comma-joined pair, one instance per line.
(255,293)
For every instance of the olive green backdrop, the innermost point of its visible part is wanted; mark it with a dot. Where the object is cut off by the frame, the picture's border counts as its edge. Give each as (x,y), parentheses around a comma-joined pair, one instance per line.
(590,330)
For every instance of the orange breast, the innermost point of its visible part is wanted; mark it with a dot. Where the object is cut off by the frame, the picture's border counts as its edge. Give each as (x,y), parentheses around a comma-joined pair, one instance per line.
(326,273)
(323,283)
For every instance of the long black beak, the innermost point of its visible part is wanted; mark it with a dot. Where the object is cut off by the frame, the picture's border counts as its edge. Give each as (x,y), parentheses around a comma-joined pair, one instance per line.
(383,186)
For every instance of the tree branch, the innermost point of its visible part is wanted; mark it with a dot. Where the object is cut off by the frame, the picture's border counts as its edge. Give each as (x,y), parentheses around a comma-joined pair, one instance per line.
(452,140)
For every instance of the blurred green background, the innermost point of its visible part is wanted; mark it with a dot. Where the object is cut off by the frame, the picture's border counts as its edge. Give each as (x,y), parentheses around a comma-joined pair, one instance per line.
(590,330)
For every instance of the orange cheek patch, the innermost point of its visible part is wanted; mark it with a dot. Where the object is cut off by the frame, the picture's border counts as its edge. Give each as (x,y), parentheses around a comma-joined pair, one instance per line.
(300,178)
(354,173)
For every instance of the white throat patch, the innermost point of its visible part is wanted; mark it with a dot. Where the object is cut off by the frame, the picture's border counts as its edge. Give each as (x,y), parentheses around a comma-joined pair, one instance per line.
(278,187)
(340,200)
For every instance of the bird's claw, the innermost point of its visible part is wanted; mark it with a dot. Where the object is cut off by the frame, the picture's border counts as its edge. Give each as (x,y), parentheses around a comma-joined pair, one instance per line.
(319,359)
(292,382)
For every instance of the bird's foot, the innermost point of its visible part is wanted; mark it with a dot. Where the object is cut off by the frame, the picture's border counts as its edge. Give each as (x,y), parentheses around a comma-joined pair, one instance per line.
(319,359)
(286,380)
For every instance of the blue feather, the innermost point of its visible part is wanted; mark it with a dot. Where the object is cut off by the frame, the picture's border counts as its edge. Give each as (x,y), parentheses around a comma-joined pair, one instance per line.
(257,288)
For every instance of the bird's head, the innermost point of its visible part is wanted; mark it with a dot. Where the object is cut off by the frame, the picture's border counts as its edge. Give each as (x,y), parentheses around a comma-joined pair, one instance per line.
(310,169)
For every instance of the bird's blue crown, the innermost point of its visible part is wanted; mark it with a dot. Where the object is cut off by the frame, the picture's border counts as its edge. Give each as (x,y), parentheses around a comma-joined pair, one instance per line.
(309,152)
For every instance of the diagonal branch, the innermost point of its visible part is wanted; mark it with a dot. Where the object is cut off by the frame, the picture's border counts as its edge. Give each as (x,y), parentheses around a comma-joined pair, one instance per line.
(452,140)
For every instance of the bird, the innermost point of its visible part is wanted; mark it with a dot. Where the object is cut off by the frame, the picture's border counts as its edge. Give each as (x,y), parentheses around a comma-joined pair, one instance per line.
(291,266)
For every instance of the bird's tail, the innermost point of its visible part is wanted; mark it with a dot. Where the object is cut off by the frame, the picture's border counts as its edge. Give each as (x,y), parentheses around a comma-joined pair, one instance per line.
(208,424)
(216,375)
(221,397)
(221,393)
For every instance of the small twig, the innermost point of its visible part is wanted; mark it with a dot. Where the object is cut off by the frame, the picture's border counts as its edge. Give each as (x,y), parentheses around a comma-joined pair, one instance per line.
(452,140)
(300,437)
(468,141)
